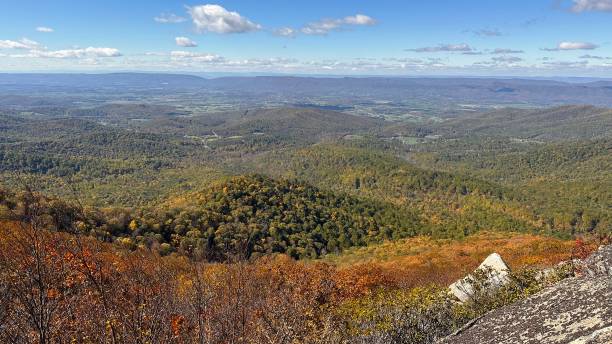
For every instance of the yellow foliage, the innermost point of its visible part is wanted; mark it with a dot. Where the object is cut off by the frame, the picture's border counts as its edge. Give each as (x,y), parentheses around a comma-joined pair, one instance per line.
(422,260)
(133,225)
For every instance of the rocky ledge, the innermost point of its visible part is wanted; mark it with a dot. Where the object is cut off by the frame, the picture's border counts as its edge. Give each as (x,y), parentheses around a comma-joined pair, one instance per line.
(575,310)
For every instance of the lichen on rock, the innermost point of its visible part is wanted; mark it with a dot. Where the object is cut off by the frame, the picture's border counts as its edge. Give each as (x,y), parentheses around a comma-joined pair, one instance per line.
(575,310)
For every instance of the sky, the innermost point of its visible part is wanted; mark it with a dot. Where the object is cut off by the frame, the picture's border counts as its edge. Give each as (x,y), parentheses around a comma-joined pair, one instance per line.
(331,37)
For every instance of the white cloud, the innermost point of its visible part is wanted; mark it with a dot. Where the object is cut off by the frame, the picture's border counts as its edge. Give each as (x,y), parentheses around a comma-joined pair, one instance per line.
(566,64)
(506,51)
(507,59)
(573,46)
(44,29)
(265,63)
(195,57)
(324,26)
(501,61)
(23,43)
(593,57)
(359,19)
(444,48)
(185,42)
(214,18)
(209,62)
(91,52)
(169,18)
(576,46)
(592,5)
(36,50)
(285,32)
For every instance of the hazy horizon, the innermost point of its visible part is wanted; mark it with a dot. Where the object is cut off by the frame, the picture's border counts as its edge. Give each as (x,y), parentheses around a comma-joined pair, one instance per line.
(214,75)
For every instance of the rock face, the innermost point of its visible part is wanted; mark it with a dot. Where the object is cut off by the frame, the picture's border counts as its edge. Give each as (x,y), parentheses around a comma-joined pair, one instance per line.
(599,263)
(576,310)
(497,274)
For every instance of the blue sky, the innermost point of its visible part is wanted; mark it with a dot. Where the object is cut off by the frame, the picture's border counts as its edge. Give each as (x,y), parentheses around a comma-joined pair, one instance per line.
(357,37)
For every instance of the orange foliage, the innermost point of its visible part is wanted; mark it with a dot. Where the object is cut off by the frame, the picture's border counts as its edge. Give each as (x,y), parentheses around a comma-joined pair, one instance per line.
(95,292)
(421,261)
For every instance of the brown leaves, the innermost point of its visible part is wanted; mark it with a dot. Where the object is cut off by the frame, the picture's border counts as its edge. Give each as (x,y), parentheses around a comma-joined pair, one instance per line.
(93,292)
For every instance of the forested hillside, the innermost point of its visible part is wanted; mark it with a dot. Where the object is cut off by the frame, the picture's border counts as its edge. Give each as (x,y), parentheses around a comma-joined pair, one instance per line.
(460,176)
(453,204)
(305,172)
(176,213)
(554,124)
(255,215)
(567,183)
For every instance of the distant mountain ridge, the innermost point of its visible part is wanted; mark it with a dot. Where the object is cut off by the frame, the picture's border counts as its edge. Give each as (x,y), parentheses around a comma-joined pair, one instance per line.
(460,90)
(101,80)
(558,123)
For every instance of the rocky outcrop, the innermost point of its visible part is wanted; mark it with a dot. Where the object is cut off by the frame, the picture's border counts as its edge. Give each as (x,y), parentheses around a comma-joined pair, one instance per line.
(496,271)
(575,310)
(599,263)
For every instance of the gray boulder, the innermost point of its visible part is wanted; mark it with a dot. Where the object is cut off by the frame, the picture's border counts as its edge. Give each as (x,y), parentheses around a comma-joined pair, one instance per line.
(576,310)
(496,271)
(598,263)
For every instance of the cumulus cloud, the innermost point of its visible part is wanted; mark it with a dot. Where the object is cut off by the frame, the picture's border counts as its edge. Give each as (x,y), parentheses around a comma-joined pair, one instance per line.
(506,51)
(573,46)
(23,43)
(91,52)
(592,5)
(322,27)
(285,32)
(195,57)
(265,63)
(44,29)
(359,19)
(444,48)
(325,26)
(214,18)
(36,50)
(576,46)
(185,42)
(169,18)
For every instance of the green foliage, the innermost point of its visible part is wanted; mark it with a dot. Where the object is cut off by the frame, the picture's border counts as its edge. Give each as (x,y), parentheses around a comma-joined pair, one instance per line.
(246,216)
(573,122)
(453,204)
(567,184)
(130,155)
(425,314)
(255,215)
(419,315)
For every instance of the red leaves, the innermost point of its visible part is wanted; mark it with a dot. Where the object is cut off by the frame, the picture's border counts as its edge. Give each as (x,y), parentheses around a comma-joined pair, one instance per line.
(93,291)
(581,250)
(176,323)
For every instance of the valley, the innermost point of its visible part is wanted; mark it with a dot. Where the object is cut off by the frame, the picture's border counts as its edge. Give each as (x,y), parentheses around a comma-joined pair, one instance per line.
(341,206)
